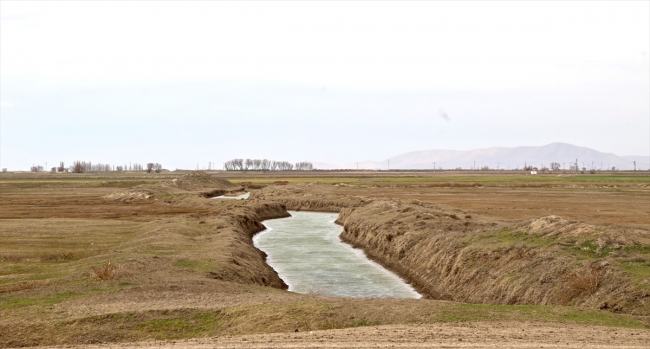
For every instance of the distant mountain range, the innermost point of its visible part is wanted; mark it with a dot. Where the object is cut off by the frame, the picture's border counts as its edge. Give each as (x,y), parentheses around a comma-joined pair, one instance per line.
(502,158)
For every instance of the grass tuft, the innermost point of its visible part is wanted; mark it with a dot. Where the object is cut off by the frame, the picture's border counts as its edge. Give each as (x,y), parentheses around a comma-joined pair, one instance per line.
(63,256)
(582,283)
(12,257)
(108,271)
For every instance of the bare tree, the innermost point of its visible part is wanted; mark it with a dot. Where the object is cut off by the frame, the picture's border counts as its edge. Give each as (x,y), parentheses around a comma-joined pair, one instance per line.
(61,167)
(266,164)
(78,167)
(157,167)
(233,165)
(150,167)
(555,166)
(304,166)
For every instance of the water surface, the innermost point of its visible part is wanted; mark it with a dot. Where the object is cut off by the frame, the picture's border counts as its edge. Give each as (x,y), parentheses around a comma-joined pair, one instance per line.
(309,256)
(238,197)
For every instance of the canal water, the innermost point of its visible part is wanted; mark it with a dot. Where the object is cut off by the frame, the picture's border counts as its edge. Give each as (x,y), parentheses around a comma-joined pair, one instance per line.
(237,197)
(309,256)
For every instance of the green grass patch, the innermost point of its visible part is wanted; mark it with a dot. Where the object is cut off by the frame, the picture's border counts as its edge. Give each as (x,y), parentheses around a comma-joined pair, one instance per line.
(508,238)
(571,315)
(364,322)
(198,324)
(195,264)
(11,302)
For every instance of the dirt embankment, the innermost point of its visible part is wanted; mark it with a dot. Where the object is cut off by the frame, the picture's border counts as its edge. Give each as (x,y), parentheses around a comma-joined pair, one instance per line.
(234,222)
(548,261)
(193,183)
(454,255)
(302,197)
(448,253)
(246,263)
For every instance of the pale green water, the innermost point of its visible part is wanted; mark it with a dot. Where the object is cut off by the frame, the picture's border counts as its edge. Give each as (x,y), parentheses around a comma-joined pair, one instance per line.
(238,197)
(308,254)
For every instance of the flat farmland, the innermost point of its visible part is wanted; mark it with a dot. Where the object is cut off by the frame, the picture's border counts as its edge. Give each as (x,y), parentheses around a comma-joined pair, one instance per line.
(180,266)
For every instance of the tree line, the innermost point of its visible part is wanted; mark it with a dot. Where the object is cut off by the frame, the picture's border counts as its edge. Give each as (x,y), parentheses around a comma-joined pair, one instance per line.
(83,166)
(265,165)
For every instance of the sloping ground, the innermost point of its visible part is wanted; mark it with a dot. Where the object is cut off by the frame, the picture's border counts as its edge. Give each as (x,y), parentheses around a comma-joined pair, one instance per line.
(450,254)
(199,183)
(194,181)
(71,272)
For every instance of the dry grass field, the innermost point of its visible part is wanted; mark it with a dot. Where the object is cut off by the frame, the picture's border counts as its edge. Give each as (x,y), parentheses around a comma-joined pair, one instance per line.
(128,257)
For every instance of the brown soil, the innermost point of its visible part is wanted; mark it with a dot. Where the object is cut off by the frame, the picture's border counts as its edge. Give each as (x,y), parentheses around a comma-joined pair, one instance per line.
(629,206)
(187,267)
(457,335)
(201,182)
(456,254)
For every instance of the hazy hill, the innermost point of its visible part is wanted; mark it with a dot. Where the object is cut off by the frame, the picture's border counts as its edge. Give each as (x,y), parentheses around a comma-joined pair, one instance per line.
(502,158)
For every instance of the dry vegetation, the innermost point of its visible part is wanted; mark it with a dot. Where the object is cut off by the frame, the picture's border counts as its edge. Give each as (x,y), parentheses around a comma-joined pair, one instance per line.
(108,271)
(123,257)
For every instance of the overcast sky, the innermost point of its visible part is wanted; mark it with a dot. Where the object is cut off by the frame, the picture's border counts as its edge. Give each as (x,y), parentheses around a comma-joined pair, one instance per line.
(187,83)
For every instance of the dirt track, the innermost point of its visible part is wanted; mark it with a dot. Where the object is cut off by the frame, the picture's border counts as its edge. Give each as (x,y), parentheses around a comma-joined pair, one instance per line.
(454,335)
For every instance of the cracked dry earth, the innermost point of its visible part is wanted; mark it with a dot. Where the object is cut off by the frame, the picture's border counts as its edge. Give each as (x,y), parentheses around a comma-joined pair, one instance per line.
(441,335)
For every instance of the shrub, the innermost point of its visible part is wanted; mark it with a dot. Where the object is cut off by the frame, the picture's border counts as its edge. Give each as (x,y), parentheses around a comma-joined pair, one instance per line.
(580,283)
(107,271)
(63,256)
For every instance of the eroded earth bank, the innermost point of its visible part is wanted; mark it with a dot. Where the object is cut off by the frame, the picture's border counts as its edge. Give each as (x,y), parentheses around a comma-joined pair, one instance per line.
(453,255)
(112,262)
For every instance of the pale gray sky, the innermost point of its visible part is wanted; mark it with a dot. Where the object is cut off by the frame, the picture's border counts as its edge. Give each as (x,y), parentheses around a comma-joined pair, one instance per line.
(182,83)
